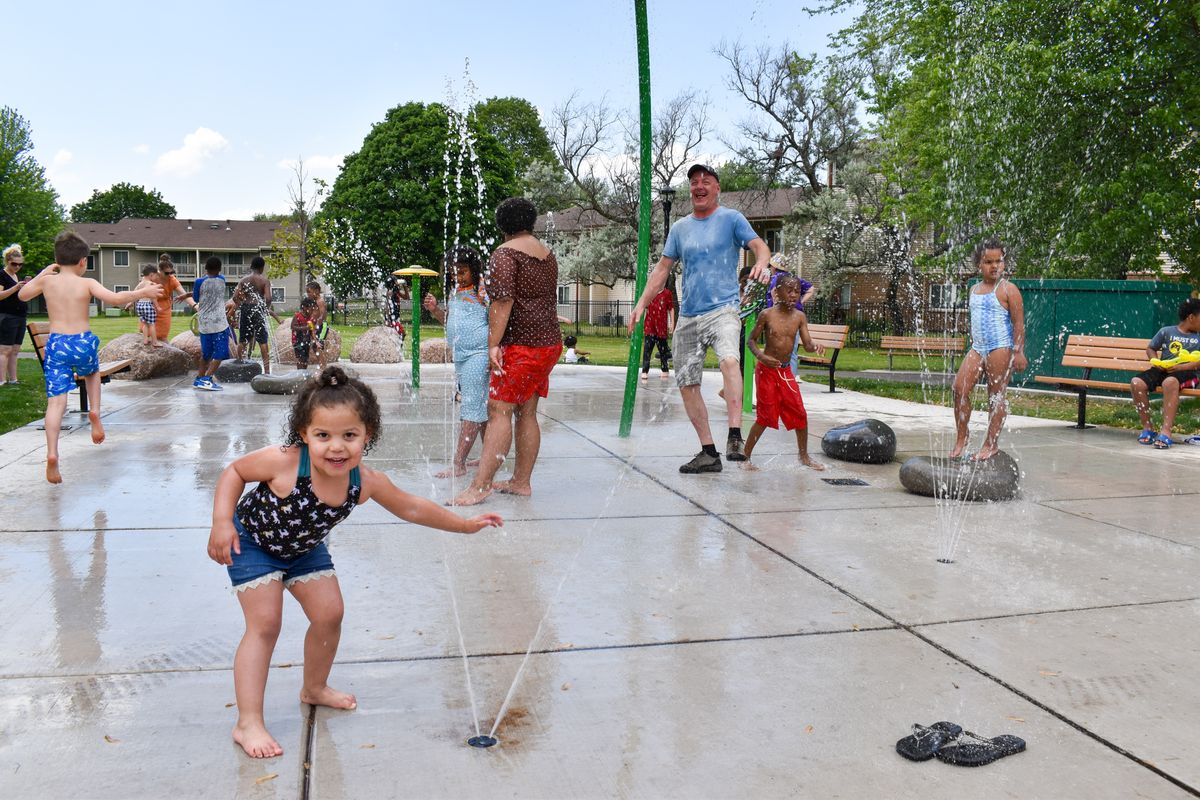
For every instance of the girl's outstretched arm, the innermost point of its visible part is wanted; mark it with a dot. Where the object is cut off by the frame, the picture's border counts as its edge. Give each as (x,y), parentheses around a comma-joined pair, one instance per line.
(409,507)
(261,465)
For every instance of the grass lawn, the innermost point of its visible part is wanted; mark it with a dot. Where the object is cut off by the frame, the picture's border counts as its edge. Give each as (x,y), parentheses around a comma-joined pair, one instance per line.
(26,402)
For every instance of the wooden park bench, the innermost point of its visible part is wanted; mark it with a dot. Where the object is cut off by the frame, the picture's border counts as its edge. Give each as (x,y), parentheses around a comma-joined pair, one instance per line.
(833,338)
(950,346)
(39,332)
(1101,352)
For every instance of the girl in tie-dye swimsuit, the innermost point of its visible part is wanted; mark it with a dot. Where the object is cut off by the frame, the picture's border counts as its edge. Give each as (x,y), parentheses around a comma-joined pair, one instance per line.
(997,348)
(274,538)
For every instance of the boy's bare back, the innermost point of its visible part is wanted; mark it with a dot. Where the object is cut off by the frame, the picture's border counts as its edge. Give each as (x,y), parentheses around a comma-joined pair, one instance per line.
(68,295)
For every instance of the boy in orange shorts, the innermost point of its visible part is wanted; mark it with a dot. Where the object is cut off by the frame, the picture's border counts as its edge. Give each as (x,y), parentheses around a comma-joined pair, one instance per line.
(776,387)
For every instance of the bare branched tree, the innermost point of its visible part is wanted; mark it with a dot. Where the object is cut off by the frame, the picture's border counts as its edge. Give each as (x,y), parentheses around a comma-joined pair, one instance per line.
(806,113)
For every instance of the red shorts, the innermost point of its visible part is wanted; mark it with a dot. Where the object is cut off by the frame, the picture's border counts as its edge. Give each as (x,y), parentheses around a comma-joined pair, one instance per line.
(526,372)
(778,394)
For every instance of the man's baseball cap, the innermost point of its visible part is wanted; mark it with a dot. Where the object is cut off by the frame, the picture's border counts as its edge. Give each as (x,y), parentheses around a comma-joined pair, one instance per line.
(703,168)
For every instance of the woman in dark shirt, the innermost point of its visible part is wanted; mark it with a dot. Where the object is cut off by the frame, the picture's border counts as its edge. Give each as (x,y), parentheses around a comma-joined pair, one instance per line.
(12,313)
(524,343)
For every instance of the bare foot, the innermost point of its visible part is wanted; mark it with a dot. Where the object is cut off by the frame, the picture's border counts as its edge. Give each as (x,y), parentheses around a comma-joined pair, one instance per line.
(959,447)
(97,428)
(451,472)
(508,487)
(158,344)
(256,740)
(748,465)
(985,452)
(52,473)
(808,462)
(471,497)
(326,696)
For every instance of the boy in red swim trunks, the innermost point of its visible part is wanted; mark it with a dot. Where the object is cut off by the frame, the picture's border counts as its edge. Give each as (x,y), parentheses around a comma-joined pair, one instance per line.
(777,389)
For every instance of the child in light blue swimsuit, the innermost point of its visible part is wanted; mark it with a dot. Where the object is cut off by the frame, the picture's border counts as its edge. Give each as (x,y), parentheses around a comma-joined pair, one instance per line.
(997,348)
(466,319)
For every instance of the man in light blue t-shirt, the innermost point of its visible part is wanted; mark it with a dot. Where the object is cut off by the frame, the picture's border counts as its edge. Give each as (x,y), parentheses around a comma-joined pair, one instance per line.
(709,242)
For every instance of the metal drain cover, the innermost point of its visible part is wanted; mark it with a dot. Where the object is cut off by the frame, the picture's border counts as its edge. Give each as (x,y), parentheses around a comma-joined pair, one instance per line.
(845,481)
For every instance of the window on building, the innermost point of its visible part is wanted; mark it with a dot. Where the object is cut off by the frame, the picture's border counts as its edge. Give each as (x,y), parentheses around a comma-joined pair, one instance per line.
(120,288)
(946,296)
(774,240)
(121,258)
(564,294)
(844,296)
(277,294)
(234,259)
(91,265)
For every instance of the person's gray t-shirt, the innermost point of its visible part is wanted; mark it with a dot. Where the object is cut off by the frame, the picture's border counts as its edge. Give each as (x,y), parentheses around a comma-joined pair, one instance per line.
(1162,341)
(209,294)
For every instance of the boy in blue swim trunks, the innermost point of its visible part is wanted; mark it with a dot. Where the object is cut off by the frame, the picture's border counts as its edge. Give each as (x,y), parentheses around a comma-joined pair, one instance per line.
(72,349)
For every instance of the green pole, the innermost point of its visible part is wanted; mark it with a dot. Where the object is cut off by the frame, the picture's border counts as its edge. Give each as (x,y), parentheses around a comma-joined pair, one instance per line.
(643,257)
(748,362)
(416,332)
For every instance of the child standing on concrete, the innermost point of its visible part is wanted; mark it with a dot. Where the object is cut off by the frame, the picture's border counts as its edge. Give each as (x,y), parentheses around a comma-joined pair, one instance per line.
(273,538)
(776,386)
(997,348)
(72,349)
(209,294)
(303,331)
(320,316)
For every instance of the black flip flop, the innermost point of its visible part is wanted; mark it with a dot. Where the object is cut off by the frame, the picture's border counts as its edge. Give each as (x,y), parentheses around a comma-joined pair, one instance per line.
(972,750)
(925,742)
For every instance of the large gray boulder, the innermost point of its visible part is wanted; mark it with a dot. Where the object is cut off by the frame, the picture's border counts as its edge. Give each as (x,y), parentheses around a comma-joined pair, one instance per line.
(238,370)
(997,478)
(867,441)
(189,343)
(285,383)
(148,362)
(378,345)
(281,345)
(435,351)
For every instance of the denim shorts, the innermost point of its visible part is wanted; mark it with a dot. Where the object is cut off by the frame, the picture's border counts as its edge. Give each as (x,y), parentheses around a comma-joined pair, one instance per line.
(254,566)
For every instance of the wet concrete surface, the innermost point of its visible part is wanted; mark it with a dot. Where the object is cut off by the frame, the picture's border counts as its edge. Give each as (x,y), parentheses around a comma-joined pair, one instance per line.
(747,634)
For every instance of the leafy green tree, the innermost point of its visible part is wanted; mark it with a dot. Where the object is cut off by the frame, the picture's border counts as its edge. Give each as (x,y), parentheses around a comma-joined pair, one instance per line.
(120,201)
(29,211)
(396,197)
(1066,127)
(516,125)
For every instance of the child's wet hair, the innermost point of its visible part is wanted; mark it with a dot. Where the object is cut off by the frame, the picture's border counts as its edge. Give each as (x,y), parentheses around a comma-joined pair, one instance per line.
(990,243)
(1189,307)
(308,302)
(333,387)
(788,280)
(149,269)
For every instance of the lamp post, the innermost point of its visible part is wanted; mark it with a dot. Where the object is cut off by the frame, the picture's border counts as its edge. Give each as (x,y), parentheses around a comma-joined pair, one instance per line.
(416,272)
(667,195)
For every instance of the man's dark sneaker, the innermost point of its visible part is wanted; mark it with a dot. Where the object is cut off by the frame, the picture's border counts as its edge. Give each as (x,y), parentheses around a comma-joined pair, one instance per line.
(703,462)
(735,449)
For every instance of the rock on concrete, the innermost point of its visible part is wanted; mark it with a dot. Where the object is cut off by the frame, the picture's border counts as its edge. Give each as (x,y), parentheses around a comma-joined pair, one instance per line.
(287,383)
(148,362)
(997,478)
(238,370)
(378,345)
(867,441)
(189,343)
(281,345)
(435,351)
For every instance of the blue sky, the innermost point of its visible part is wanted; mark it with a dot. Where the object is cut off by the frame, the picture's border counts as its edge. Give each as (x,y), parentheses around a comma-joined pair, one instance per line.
(208,103)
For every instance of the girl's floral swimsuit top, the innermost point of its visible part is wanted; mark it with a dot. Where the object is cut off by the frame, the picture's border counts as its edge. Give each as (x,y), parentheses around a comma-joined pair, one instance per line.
(291,526)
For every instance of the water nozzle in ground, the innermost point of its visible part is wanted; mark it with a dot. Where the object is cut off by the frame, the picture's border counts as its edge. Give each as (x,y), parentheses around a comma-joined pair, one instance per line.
(482,741)
(945,561)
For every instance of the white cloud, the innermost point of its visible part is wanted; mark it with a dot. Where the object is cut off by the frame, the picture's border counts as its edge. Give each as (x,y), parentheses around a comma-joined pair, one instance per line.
(61,159)
(314,163)
(198,147)
(141,149)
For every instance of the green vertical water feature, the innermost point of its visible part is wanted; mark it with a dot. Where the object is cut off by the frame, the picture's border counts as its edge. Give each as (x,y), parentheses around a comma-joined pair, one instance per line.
(643,256)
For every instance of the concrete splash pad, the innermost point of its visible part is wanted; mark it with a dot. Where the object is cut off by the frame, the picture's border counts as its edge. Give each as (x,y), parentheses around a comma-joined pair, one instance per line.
(708,640)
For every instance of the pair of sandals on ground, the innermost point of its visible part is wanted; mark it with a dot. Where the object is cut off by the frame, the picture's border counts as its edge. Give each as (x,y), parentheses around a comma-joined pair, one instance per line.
(950,743)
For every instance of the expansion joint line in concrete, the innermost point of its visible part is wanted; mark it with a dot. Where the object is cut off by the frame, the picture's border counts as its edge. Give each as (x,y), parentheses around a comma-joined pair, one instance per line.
(911,630)
(1077,515)
(1052,611)
(310,726)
